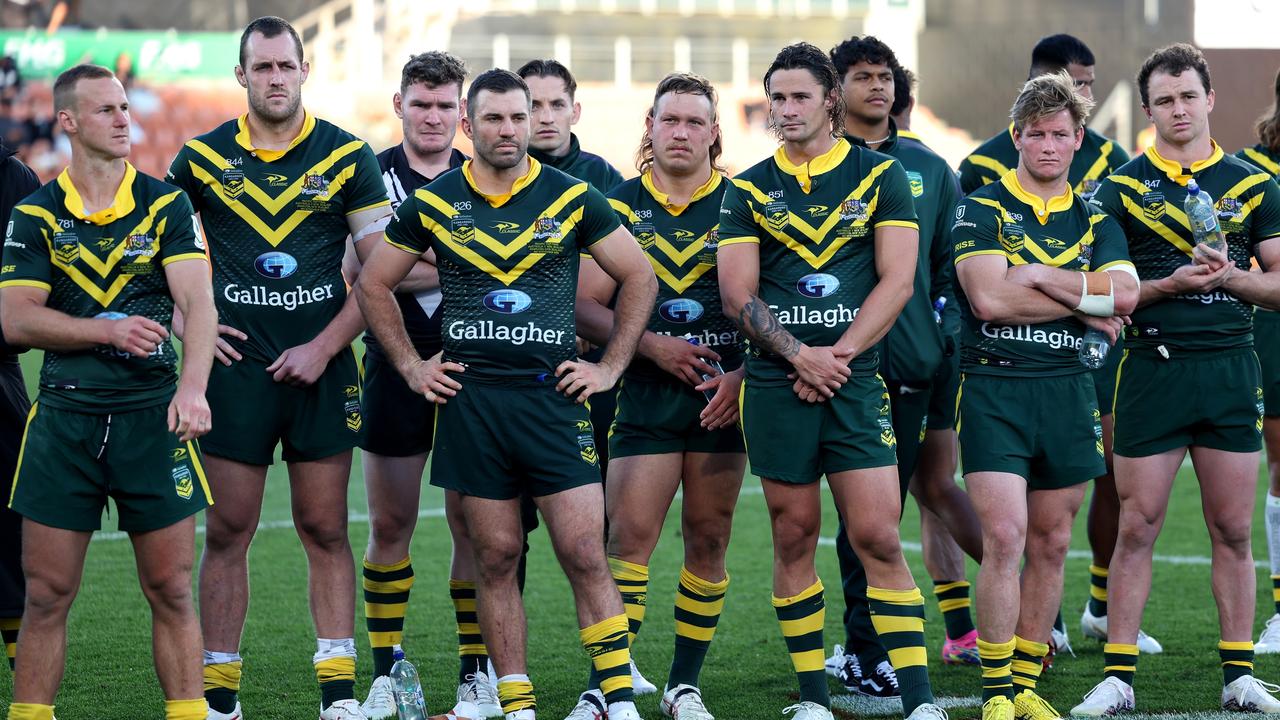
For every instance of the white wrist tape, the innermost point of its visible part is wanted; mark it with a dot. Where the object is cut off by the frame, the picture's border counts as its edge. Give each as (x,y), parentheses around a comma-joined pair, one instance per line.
(1094,299)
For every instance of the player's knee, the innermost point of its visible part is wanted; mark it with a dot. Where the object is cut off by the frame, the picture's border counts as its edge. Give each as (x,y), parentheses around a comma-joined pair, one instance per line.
(389,529)
(326,534)
(628,539)
(584,559)
(228,534)
(169,593)
(1050,545)
(794,536)
(49,596)
(1002,544)
(878,544)
(496,560)
(1138,529)
(1231,535)
(707,540)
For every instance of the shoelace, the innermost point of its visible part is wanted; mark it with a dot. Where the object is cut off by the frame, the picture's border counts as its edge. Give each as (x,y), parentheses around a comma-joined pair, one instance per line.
(480,690)
(798,708)
(1262,685)
(1043,705)
(1098,689)
(936,711)
(885,670)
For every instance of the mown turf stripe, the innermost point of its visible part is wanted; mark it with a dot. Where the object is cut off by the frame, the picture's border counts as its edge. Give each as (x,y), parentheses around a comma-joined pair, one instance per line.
(863,706)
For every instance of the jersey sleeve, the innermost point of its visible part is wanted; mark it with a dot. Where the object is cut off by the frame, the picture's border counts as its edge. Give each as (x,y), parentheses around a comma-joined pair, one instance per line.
(614,178)
(598,219)
(1116,157)
(1266,217)
(975,231)
(970,177)
(366,189)
(181,238)
(180,176)
(942,280)
(737,220)
(1110,247)
(894,206)
(407,231)
(26,260)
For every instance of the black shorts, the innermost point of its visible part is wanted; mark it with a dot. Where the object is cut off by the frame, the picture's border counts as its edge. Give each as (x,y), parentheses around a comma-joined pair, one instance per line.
(398,422)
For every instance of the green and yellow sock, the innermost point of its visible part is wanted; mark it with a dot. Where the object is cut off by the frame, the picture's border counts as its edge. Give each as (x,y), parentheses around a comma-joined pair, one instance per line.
(335,664)
(953,601)
(1097,591)
(1237,660)
(1120,661)
(196,709)
(1275,592)
(386,600)
(608,644)
(1028,662)
(698,606)
(802,617)
(997,672)
(9,627)
(632,580)
(222,680)
(515,693)
(30,711)
(473,656)
(898,617)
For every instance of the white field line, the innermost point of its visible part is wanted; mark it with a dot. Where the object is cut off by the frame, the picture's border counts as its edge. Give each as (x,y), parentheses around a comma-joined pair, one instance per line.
(911,547)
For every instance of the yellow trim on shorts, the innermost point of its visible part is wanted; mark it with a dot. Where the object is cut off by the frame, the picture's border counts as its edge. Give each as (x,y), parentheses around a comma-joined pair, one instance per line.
(31,415)
(195,463)
(617,407)
(1115,388)
(742,404)
(959,393)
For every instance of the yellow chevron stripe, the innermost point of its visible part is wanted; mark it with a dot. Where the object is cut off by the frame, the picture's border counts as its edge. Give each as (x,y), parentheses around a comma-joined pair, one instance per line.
(501,249)
(278,203)
(1262,161)
(273,236)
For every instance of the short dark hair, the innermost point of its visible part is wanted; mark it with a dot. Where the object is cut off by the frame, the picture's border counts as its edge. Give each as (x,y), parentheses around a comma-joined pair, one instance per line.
(269,26)
(1056,52)
(806,56)
(1173,59)
(550,68)
(496,80)
(867,49)
(64,88)
(904,86)
(433,69)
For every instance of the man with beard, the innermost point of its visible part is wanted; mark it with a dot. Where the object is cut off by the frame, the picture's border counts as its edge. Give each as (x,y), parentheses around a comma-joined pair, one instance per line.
(279,191)
(507,233)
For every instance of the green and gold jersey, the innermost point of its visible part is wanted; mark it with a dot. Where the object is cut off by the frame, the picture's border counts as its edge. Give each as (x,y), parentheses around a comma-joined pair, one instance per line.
(277,226)
(680,241)
(1268,161)
(914,346)
(1066,232)
(1146,196)
(1097,158)
(815,224)
(508,266)
(108,264)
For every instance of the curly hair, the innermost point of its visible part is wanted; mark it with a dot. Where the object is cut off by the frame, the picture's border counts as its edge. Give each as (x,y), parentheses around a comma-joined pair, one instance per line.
(1173,59)
(806,56)
(433,69)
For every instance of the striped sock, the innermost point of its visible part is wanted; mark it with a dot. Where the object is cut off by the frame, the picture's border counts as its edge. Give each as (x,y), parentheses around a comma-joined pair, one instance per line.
(30,711)
(515,693)
(473,656)
(335,662)
(953,601)
(997,673)
(1028,662)
(196,709)
(222,680)
(801,617)
(1097,591)
(386,599)
(9,627)
(607,644)
(1237,660)
(698,606)
(1121,661)
(898,617)
(1275,593)
(633,583)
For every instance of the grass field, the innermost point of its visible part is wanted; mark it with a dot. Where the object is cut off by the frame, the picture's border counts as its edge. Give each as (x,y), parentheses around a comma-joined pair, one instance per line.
(748,675)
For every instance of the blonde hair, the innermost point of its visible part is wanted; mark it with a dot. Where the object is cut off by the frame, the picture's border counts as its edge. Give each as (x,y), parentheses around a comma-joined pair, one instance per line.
(1046,95)
(684,84)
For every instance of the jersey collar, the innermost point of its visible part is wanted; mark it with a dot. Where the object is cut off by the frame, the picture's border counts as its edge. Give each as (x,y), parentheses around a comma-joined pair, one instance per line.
(825,162)
(242,138)
(1042,209)
(122,205)
(522,182)
(1174,169)
(664,200)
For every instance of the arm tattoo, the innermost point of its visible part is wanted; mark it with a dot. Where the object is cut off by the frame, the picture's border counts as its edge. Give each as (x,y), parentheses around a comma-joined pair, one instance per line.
(758,323)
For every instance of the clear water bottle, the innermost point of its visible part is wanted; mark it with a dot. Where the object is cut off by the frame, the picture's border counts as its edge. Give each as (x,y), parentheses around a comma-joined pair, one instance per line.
(1203,218)
(938,306)
(1094,347)
(410,704)
(708,394)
